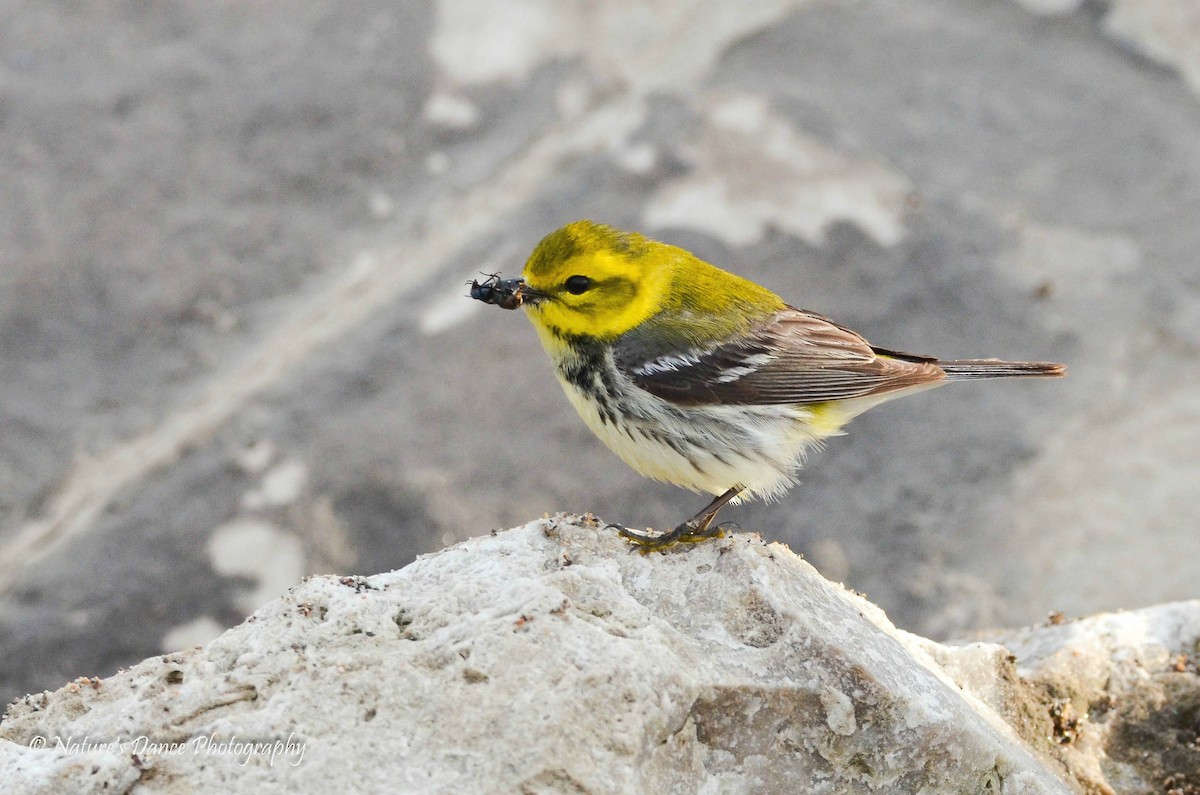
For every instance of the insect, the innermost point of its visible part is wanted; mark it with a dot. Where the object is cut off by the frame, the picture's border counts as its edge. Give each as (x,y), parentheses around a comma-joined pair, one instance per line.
(504,293)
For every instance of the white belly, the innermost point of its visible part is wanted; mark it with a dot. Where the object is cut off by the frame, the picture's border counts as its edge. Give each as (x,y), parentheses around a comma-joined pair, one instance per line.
(706,448)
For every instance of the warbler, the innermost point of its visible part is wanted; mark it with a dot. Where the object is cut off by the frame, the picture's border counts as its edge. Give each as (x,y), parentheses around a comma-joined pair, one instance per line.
(701,378)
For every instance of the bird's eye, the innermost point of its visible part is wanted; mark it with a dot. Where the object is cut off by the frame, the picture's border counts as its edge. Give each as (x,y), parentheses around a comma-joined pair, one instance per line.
(577,284)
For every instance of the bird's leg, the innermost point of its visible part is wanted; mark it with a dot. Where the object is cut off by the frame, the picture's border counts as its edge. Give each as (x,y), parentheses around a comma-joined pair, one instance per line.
(698,528)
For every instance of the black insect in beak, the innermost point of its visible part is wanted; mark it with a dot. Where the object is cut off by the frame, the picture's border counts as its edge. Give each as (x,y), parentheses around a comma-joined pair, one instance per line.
(504,293)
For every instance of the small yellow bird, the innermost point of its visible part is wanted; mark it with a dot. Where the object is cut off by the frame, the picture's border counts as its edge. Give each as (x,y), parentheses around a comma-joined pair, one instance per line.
(700,378)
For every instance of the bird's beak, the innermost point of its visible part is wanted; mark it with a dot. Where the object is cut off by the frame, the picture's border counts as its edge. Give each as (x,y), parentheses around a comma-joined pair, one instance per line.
(505,293)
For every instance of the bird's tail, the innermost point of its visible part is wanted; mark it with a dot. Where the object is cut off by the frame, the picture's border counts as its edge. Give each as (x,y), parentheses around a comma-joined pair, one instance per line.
(974,369)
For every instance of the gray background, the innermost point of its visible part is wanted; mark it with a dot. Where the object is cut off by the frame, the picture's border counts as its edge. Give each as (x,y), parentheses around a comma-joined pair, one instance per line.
(234,347)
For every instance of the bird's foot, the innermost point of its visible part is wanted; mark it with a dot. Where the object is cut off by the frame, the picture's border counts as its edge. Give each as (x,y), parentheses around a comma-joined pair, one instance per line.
(686,533)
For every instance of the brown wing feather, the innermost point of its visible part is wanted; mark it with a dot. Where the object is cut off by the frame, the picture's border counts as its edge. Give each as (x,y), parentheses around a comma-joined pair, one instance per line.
(795,357)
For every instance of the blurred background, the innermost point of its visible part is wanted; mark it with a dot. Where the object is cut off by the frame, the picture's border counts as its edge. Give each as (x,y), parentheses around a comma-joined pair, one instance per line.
(235,347)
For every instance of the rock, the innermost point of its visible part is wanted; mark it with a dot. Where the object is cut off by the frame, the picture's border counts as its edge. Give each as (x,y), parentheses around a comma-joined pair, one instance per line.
(234,240)
(549,658)
(1123,696)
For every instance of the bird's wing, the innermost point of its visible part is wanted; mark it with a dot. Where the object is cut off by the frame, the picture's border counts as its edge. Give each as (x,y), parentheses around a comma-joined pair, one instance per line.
(793,357)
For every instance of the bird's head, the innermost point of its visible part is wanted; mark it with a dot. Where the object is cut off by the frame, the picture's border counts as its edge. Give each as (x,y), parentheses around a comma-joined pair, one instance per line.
(587,280)
(590,280)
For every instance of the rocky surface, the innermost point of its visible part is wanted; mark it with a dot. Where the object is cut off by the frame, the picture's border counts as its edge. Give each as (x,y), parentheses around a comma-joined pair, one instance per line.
(550,658)
(1123,694)
(234,347)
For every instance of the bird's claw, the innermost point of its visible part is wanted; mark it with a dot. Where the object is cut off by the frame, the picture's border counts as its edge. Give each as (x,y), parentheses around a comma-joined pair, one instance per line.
(686,533)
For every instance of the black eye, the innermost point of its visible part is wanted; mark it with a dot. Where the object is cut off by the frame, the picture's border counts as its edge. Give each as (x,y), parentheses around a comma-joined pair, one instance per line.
(577,284)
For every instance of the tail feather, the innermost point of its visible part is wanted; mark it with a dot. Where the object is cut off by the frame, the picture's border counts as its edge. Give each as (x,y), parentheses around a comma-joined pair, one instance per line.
(973,369)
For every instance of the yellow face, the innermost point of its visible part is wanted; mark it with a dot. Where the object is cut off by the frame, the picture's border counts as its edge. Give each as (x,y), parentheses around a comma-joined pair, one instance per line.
(591,280)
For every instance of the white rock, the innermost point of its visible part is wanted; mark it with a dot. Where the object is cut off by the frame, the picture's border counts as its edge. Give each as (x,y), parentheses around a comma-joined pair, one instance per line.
(621,41)
(1163,30)
(451,111)
(549,658)
(281,485)
(751,171)
(196,632)
(1124,695)
(259,551)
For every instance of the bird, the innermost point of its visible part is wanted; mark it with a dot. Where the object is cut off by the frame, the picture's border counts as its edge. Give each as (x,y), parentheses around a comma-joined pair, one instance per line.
(698,377)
